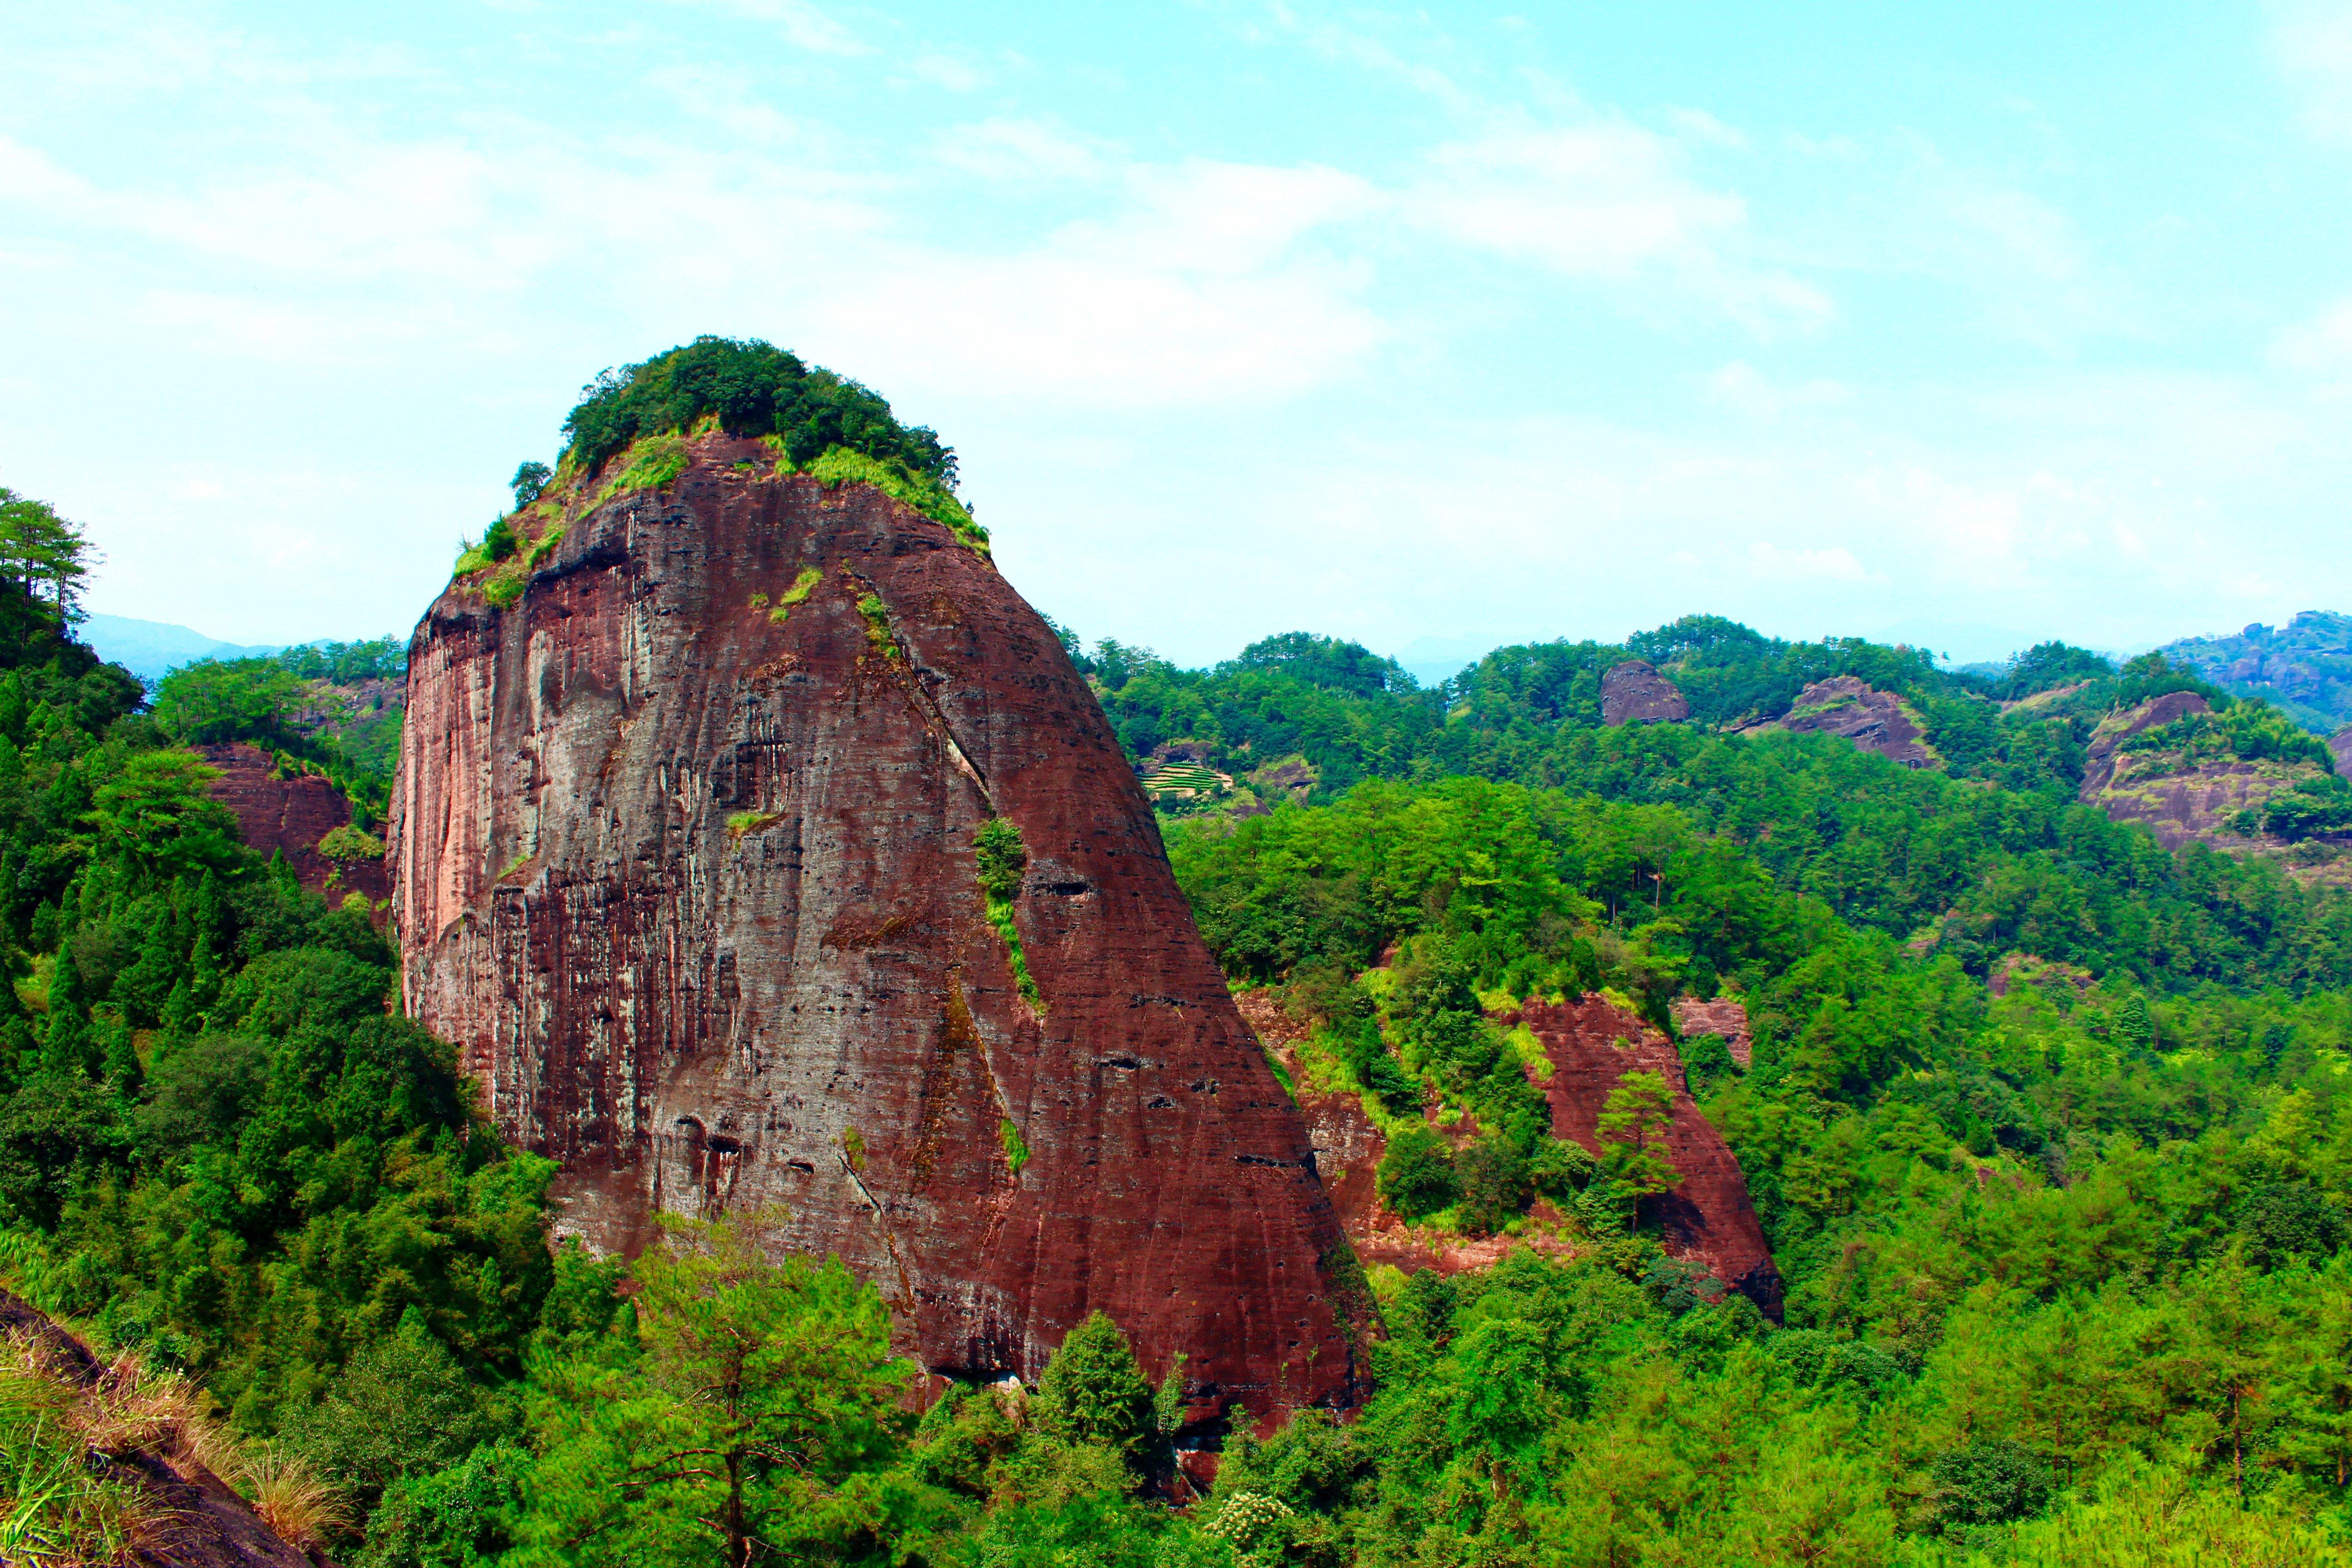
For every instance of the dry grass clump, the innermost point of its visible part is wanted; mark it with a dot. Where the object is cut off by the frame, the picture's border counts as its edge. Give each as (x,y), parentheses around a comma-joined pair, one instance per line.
(291,1499)
(63,1501)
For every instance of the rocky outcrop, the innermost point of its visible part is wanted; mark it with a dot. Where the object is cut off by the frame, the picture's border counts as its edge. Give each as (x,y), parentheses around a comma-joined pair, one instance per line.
(1634,692)
(288,816)
(182,1515)
(685,850)
(2339,746)
(2180,799)
(1872,719)
(1591,1043)
(2303,667)
(1725,1016)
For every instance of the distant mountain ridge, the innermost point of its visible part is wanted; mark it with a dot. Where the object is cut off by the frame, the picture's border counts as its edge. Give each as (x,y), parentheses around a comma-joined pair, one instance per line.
(2303,668)
(151,649)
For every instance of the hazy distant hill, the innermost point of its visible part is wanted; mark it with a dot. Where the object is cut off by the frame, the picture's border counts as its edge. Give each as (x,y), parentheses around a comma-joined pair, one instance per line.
(2303,667)
(150,648)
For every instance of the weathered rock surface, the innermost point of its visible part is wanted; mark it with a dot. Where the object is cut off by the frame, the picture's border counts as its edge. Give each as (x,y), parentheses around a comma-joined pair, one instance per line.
(1873,719)
(2180,799)
(691,883)
(288,816)
(1725,1016)
(1634,692)
(1591,1043)
(189,1518)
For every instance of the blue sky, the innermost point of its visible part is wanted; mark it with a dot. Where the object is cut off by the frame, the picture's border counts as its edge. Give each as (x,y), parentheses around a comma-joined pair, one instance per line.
(1437,329)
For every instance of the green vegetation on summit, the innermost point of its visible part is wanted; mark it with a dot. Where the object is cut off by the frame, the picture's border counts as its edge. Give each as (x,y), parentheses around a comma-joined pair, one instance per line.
(630,426)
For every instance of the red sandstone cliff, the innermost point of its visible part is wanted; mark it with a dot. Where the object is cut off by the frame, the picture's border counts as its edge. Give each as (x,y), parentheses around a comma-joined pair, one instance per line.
(1590,1042)
(288,816)
(1725,1016)
(691,883)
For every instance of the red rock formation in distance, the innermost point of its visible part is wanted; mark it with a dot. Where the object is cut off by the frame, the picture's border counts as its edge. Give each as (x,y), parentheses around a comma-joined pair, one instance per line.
(1634,692)
(1725,1016)
(1873,719)
(685,867)
(1591,1042)
(288,816)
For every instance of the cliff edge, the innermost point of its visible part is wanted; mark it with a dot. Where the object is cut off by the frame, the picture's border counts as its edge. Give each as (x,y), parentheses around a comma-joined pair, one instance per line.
(683,838)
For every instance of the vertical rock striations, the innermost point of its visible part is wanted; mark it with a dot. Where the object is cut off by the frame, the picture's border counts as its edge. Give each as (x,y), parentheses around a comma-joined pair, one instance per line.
(684,842)
(1591,1043)
(289,816)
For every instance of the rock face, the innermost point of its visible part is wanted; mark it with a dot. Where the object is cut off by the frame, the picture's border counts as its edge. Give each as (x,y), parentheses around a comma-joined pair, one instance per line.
(1634,692)
(1708,1217)
(686,869)
(1590,1042)
(1873,719)
(2177,799)
(1725,1016)
(288,816)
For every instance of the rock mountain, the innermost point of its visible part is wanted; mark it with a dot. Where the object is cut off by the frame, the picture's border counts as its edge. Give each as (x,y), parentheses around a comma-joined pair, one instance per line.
(688,840)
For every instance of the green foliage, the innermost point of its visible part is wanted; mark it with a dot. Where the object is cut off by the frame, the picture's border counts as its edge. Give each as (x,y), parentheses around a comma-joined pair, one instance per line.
(724,1427)
(530,480)
(2303,668)
(1417,1178)
(44,562)
(1016,1152)
(1633,1128)
(274,704)
(750,389)
(1092,1392)
(877,625)
(843,465)
(2249,731)
(2046,667)
(349,842)
(803,586)
(999,859)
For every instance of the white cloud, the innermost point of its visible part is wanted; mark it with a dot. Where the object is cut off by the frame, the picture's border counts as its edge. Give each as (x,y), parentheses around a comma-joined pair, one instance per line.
(1007,149)
(2321,346)
(1835,563)
(799,23)
(2311,44)
(947,71)
(1607,202)
(1740,386)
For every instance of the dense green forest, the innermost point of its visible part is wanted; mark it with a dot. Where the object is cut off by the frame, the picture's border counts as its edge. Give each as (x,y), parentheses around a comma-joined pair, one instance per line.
(2066,1267)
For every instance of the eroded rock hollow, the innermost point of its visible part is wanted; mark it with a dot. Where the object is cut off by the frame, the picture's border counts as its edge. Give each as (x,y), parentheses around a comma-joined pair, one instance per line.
(684,843)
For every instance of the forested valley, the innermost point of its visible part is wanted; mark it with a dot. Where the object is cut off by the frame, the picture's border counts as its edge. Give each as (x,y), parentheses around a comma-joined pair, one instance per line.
(2047,1126)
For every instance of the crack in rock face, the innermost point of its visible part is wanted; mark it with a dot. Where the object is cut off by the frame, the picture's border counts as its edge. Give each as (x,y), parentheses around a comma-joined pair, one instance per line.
(692,887)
